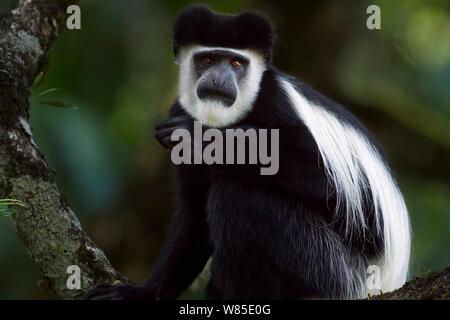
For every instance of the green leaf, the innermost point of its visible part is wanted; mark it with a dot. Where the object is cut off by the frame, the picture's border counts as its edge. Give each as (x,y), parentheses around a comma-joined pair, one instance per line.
(59,104)
(5,210)
(38,79)
(46,91)
(11,202)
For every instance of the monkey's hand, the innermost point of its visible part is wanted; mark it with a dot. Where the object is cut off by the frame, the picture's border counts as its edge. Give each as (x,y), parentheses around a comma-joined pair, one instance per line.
(165,128)
(106,291)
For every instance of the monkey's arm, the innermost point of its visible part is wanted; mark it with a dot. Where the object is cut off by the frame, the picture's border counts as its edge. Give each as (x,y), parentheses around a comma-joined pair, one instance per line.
(186,251)
(187,248)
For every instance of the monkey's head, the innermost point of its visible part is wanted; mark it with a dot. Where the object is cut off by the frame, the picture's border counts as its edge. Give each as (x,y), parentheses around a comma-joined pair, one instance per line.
(222,59)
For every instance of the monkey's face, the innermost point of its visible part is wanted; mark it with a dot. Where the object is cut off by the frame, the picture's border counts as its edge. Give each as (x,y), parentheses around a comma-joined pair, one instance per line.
(219,85)
(220,74)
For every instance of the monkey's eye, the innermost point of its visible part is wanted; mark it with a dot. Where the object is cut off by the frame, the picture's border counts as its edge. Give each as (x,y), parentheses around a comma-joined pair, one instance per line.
(207,60)
(236,63)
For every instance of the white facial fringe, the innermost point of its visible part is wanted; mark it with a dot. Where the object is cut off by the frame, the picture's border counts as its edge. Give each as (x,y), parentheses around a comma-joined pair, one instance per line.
(215,114)
(357,171)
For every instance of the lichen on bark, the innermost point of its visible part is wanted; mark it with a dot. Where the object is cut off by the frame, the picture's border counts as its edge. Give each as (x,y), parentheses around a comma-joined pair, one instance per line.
(432,286)
(47,226)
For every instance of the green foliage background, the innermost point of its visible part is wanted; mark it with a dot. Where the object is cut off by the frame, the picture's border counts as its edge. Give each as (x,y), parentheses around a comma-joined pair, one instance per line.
(120,73)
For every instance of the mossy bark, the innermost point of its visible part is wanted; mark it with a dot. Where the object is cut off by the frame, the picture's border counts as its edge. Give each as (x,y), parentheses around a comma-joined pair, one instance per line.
(433,286)
(49,229)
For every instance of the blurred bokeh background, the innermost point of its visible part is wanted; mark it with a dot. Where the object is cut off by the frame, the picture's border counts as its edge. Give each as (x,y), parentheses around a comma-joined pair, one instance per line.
(119,71)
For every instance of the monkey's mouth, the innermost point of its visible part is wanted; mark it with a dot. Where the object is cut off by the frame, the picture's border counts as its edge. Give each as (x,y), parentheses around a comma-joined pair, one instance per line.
(212,94)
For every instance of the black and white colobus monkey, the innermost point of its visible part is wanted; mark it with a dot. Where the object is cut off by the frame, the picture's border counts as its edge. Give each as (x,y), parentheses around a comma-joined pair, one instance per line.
(312,229)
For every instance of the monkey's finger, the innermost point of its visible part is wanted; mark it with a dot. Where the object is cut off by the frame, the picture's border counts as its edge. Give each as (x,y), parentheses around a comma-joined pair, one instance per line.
(103,285)
(172,122)
(164,137)
(110,296)
(97,292)
(164,140)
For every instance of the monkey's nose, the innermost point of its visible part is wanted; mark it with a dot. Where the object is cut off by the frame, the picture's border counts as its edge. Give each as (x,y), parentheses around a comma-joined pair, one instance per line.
(218,83)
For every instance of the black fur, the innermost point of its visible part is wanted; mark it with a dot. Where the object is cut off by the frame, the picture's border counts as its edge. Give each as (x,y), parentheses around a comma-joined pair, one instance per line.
(199,25)
(270,237)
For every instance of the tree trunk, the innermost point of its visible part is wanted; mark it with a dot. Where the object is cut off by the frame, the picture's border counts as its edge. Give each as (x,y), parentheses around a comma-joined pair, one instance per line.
(47,226)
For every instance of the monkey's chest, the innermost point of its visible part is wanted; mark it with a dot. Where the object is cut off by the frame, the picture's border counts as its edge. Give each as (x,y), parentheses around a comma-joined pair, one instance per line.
(242,213)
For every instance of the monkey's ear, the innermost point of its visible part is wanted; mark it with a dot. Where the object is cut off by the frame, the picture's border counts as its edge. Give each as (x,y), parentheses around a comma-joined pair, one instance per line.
(256,31)
(198,24)
(189,26)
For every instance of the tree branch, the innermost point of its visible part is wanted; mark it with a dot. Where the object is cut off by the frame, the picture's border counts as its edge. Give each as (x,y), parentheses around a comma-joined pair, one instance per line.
(47,226)
(434,286)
